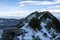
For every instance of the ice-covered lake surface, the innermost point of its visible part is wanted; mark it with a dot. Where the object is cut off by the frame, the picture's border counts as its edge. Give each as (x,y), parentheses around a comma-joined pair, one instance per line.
(31,32)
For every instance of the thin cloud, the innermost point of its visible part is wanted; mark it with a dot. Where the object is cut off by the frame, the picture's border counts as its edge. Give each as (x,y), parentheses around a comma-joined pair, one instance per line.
(14,13)
(55,7)
(29,0)
(34,3)
(56,10)
(49,8)
(38,2)
(57,1)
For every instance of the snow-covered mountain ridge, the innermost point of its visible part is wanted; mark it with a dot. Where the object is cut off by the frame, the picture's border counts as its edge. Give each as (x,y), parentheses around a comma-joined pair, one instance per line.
(39,26)
(49,27)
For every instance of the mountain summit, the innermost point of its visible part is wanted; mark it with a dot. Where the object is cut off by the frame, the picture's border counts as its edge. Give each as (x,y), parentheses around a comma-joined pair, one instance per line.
(41,26)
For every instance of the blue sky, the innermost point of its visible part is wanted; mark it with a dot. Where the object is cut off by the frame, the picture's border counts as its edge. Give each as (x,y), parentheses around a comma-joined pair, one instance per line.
(24,7)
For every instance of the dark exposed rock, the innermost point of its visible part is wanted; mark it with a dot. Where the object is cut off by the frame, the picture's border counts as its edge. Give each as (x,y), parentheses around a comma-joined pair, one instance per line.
(37,38)
(44,34)
(35,24)
(20,24)
(10,34)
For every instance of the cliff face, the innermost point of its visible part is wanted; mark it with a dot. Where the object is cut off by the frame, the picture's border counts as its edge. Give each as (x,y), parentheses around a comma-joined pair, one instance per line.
(39,26)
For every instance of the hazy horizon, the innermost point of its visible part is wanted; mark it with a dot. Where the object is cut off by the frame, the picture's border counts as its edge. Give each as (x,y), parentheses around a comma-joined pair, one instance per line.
(57,15)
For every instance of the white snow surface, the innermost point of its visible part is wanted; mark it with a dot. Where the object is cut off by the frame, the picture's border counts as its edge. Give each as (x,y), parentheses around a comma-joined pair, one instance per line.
(28,36)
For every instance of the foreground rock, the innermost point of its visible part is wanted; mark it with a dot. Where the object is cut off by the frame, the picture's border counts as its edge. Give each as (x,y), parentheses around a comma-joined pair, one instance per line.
(11,34)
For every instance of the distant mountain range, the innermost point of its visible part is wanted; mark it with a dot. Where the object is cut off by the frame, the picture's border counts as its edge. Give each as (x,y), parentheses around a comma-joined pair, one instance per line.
(8,22)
